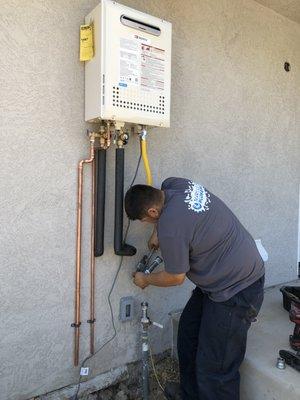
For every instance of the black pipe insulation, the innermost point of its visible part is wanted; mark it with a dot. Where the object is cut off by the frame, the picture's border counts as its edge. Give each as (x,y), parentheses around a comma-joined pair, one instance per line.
(100,177)
(121,248)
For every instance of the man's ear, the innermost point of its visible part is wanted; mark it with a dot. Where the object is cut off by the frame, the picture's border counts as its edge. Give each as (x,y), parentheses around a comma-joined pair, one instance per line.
(152,212)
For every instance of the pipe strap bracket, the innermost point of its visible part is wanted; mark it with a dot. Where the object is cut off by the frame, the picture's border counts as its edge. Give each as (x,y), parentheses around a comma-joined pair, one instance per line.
(74,325)
(91,321)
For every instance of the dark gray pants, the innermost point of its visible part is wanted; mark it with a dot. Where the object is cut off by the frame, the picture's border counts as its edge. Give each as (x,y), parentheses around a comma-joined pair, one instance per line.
(212,343)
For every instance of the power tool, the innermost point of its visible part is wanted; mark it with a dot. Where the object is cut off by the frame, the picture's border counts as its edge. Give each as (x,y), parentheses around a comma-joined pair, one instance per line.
(146,265)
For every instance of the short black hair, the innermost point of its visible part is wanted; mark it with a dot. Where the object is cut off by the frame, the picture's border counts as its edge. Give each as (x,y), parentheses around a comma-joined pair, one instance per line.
(139,198)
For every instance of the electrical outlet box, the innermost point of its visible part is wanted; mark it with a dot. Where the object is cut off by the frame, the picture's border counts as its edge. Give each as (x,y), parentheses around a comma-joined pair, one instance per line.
(126,309)
(128,79)
(84,371)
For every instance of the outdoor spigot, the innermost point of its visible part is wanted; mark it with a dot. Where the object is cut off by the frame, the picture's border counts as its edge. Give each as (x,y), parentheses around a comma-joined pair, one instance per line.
(145,321)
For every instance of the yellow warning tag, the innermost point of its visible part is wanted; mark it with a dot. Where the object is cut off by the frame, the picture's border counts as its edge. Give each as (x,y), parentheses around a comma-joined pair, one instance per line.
(86,43)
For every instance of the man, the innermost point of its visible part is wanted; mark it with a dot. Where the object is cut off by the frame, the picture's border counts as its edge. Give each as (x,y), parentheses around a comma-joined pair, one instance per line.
(200,238)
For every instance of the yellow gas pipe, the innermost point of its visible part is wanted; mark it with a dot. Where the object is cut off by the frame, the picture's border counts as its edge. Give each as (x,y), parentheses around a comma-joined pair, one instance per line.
(143,143)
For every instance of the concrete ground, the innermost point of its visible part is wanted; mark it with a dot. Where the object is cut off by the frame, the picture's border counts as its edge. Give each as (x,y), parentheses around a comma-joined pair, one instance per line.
(260,377)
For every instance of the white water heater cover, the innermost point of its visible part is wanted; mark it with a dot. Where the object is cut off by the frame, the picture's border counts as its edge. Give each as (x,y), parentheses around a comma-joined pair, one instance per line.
(128,80)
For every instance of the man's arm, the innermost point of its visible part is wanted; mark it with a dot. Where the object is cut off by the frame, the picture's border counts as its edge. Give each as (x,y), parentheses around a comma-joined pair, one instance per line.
(161,279)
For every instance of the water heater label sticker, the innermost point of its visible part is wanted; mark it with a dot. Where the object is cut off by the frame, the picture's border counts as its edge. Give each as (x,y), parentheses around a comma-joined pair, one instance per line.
(141,64)
(130,61)
(152,68)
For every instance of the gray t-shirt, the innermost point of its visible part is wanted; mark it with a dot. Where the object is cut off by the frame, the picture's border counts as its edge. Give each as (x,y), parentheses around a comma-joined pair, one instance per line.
(199,235)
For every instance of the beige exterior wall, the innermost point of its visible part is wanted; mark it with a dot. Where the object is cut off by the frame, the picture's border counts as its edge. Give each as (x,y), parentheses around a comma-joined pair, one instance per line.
(234,127)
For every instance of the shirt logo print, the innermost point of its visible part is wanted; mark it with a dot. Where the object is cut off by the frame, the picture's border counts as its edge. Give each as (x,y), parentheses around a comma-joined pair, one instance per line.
(197,198)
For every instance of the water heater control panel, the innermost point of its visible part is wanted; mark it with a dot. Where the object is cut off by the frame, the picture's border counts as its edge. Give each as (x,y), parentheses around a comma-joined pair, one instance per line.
(128,79)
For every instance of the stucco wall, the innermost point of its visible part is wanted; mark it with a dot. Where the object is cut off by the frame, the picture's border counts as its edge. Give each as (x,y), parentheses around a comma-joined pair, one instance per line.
(234,127)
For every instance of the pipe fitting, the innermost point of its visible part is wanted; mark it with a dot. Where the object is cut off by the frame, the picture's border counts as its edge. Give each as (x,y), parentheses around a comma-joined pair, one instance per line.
(120,144)
(92,136)
(124,136)
(108,136)
(145,321)
(143,134)
(102,141)
(122,139)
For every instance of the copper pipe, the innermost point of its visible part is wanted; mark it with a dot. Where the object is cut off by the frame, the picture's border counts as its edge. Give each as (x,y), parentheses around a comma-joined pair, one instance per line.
(92,266)
(77,322)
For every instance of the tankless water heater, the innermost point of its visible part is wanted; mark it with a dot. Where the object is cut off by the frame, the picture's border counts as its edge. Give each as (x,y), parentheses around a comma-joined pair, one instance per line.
(128,79)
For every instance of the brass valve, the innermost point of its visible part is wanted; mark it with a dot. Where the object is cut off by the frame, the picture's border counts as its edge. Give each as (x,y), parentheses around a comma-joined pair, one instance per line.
(122,139)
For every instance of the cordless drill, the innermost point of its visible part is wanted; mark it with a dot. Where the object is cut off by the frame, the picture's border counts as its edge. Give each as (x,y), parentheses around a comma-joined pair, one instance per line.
(146,265)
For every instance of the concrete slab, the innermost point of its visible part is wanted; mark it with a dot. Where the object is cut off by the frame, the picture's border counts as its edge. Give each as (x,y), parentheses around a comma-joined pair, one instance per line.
(260,379)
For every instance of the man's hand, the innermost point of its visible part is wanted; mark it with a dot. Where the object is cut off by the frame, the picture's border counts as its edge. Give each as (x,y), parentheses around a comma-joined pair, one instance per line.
(153,241)
(161,279)
(140,279)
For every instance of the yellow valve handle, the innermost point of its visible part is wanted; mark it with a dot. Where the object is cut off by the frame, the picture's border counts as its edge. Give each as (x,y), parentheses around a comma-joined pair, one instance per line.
(146,161)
